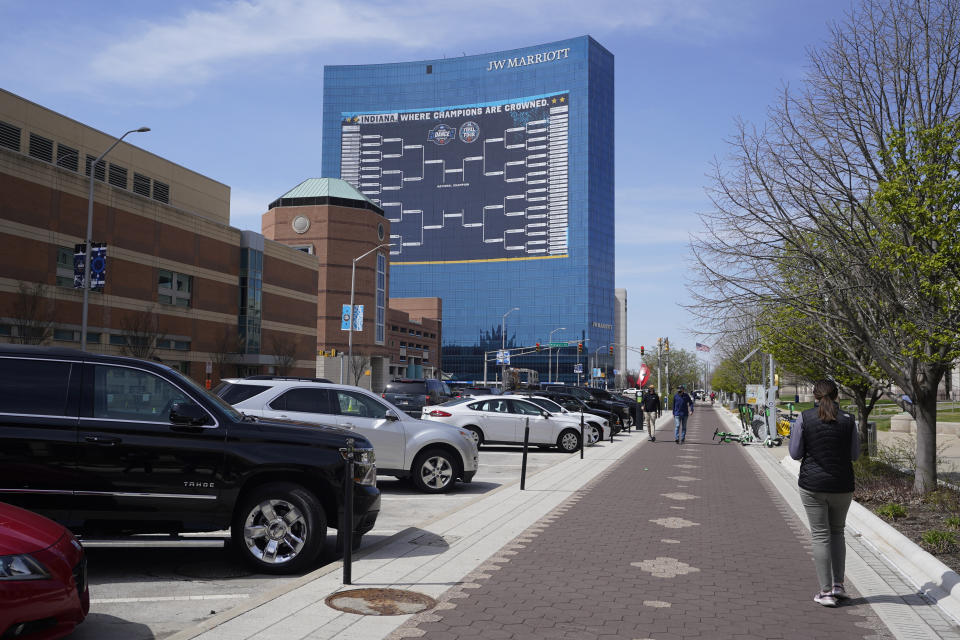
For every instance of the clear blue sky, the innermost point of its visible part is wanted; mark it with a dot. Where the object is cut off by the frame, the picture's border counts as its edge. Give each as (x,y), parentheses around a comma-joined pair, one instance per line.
(234,91)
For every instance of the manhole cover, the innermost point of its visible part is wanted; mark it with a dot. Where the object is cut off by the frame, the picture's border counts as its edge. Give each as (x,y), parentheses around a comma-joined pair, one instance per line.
(380,602)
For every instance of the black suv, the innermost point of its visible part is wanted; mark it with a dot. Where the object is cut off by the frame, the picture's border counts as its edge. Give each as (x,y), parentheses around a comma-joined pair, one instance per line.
(573,403)
(597,398)
(411,395)
(115,445)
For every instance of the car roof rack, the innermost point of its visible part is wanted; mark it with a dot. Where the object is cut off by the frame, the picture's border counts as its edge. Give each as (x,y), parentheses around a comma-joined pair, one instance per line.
(289,378)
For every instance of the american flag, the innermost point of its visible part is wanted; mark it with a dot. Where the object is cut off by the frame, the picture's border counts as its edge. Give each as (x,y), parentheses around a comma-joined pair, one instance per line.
(702,347)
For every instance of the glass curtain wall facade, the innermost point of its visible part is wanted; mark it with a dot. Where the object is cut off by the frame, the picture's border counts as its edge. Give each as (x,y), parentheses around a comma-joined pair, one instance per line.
(497,173)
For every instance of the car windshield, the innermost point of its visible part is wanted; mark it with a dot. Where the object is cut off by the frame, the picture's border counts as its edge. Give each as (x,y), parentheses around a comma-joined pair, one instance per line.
(549,405)
(456,401)
(234,393)
(214,398)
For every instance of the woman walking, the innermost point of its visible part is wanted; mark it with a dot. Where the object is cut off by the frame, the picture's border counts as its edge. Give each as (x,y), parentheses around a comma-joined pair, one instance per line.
(825,440)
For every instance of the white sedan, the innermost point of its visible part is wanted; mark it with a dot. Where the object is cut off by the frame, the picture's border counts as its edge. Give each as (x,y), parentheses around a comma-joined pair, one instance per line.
(595,427)
(501,420)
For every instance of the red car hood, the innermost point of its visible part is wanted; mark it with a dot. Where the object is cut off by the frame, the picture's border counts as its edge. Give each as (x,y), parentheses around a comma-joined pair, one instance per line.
(23,531)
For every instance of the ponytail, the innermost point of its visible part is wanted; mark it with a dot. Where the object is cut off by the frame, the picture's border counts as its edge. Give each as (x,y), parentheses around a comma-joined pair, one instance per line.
(825,393)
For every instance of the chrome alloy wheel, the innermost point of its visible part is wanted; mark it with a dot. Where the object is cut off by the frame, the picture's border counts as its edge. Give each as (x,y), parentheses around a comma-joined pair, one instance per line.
(436,472)
(569,441)
(275,531)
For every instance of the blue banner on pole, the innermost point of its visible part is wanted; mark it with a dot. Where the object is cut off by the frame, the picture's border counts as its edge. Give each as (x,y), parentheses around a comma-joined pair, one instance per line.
(98,265)
(357,318)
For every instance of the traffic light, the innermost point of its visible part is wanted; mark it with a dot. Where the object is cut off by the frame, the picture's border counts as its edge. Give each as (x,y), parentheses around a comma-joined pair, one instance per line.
(579,347)
(538,346)
(666,345)
(611,349)
(641,351)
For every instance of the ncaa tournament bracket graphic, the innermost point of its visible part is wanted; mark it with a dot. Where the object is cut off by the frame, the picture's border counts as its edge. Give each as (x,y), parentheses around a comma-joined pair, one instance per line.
(481,182)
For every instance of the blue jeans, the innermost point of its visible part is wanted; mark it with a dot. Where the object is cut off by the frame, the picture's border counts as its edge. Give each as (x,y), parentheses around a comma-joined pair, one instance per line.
(680,427)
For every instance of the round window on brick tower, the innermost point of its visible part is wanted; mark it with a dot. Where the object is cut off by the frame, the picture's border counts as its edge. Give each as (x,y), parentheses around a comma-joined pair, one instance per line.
(380,231)
(300,224)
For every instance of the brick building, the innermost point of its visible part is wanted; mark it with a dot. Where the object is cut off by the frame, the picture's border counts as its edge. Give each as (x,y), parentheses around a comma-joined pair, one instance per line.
(329,219)
(182,285)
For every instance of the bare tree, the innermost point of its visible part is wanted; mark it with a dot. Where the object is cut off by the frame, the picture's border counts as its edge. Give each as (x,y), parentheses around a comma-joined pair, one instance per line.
(284,353)
(359,366)
(842,207)
(32,314)
(226,346)
(142,334)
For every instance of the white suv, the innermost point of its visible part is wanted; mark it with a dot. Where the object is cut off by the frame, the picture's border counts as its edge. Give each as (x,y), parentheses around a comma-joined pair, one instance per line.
(432,454)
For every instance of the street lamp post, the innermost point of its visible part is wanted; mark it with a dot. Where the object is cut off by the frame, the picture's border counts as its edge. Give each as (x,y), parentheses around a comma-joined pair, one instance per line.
(503,347)
(550,354)
(353,278)
(86,260)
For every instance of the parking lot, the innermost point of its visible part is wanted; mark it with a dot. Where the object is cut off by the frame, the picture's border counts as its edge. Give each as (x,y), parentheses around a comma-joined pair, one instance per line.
(152,590)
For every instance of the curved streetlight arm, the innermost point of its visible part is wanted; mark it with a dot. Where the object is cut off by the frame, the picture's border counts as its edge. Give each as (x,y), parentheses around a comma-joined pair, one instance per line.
(353,277)
(550,355)
(503,325)
(87,240)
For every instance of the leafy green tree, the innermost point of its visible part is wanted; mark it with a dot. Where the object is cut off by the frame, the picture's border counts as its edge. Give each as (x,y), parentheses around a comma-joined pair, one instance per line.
(851,186)
(682,365)
(796,346)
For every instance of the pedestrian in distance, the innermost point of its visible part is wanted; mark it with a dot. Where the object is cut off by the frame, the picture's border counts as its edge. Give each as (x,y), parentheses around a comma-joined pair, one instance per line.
(826,442)
(651,411)
(682,408)
(636,414)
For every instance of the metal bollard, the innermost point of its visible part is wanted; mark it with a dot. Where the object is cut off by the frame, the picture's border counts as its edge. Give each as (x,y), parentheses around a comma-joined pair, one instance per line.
(346,528)
(581,434)
(523,465)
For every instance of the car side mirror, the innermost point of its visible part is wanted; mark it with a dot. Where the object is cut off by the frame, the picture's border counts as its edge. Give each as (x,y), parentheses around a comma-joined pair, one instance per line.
(391,416)
(544,413)
(188,414)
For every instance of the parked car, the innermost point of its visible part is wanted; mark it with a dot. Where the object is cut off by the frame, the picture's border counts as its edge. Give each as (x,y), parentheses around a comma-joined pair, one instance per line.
(598,398)
(598,426)
(578,405)
(43,577)
(431,454)
(500,419)
(106,444)
(411,395)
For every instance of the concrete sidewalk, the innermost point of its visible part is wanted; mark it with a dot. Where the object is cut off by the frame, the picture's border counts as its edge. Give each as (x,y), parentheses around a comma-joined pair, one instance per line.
(639,540)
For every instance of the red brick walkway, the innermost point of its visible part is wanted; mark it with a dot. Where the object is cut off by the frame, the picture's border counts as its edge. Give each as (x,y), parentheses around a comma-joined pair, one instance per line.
(673,542)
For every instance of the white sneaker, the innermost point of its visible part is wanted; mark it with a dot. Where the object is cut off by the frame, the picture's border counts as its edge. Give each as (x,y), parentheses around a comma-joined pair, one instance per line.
(826,599)
(839,593)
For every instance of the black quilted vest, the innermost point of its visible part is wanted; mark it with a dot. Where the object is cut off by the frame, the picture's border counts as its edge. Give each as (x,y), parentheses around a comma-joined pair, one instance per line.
(826,462)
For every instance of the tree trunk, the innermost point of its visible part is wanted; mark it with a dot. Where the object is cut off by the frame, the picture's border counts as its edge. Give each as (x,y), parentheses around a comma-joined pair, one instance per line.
(863,412)
(926,417)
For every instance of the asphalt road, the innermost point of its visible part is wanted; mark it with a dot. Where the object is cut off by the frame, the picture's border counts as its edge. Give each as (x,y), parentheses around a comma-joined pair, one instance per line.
(150,591)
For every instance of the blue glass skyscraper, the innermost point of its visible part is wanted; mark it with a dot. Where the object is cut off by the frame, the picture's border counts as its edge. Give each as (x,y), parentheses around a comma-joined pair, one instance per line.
(497,174)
